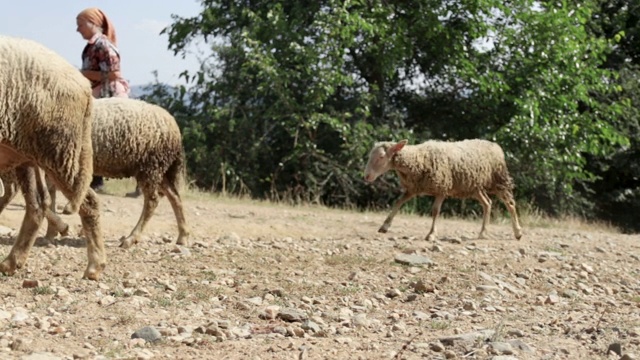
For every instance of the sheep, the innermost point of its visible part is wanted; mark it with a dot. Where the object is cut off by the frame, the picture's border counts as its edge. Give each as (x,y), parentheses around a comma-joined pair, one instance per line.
(133,138)
(463,169)
(45,128)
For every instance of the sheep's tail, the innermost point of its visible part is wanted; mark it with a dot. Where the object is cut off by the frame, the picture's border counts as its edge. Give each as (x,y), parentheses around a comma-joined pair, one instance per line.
(82,180)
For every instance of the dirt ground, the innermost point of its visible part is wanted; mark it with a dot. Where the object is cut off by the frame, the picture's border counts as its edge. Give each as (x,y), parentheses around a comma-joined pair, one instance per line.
(268,281)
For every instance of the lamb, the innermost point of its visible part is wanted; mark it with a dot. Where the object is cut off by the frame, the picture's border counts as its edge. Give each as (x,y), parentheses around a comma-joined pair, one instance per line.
(463,169)
(133,138)
(45,128)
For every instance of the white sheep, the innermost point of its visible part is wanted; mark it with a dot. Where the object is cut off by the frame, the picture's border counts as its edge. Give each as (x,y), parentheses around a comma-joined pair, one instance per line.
(45,127)
(132,138)
(463,169)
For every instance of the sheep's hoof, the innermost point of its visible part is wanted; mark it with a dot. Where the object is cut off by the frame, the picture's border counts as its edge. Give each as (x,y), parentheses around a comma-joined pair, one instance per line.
(65,231)
(518,235)
(382,230)
(8,267)
(92,273)
(68,209)
(183,240)
(431,237)
(127,242)
(49,240)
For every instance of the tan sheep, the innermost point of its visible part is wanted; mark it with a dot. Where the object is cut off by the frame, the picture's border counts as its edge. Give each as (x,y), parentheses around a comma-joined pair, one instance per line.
(45,127)
(132,138)
(463,169)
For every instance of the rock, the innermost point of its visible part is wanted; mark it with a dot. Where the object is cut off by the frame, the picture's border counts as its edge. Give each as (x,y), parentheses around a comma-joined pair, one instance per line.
(41,356)
(586,268)
(20,315)
(30,284)
(62,293)
(628,357)
(142,292)
(311,326)
(144,354)
(413,259)
(148,334)
(468,337)
(292,315)
(393,293)
(449,354)
(270,312)
(501,348)
(107,300)
(399,327)
(242,332)
(551,299)
(5,230)
(616,348)
(487,288)
(255,300)
(436,346)
(229,239)
(421,287)
(569,293)
(521,346)
(469,305)
(361,320)
(421,316)
(20,344)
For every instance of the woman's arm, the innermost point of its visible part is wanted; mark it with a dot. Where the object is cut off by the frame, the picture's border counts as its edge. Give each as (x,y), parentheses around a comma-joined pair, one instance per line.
(95,75)
(108,61)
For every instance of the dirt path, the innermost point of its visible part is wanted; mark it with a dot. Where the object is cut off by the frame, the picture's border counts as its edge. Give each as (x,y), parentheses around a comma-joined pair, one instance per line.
(264,281)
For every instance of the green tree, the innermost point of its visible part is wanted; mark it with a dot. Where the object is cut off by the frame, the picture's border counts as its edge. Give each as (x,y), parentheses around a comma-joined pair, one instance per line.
(295,92)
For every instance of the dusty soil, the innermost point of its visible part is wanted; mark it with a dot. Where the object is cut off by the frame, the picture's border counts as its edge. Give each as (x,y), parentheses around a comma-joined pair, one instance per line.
(266,281)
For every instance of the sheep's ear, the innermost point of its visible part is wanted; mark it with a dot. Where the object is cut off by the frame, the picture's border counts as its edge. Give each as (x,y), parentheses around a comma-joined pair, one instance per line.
(397,147)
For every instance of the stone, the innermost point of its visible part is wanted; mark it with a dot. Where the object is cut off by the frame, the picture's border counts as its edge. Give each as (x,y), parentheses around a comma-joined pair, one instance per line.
(292,315)
(148,334)
(413,259)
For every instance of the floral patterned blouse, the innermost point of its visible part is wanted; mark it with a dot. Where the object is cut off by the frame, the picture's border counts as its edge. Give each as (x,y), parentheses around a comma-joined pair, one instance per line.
(101,55)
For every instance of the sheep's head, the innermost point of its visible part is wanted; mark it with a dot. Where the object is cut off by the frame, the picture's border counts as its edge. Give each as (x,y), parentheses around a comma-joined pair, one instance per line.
(380,159)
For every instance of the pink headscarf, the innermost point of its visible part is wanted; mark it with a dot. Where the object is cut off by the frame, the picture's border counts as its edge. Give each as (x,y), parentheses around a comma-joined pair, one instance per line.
(97,17)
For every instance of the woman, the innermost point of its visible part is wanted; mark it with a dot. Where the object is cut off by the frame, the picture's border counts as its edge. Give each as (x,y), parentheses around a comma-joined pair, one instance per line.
(100,57)
(101,63)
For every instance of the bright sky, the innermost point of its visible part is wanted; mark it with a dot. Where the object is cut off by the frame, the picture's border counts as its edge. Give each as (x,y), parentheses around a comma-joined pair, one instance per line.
(137,22)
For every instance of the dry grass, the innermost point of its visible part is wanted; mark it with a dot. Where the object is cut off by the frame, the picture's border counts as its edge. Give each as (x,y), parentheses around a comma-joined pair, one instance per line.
(529,217)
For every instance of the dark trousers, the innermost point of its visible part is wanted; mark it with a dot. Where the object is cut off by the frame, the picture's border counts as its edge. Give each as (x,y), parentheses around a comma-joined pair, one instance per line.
(97,182)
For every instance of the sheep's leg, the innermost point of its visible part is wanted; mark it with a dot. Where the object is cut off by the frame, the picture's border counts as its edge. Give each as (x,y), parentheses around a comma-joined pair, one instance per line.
(90,218)
(508,201)
(35,198)
(10,191)
(173,196)
(387,222)
(485,201)
(435,211)
(89,212)
(55,224)
(150,204)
